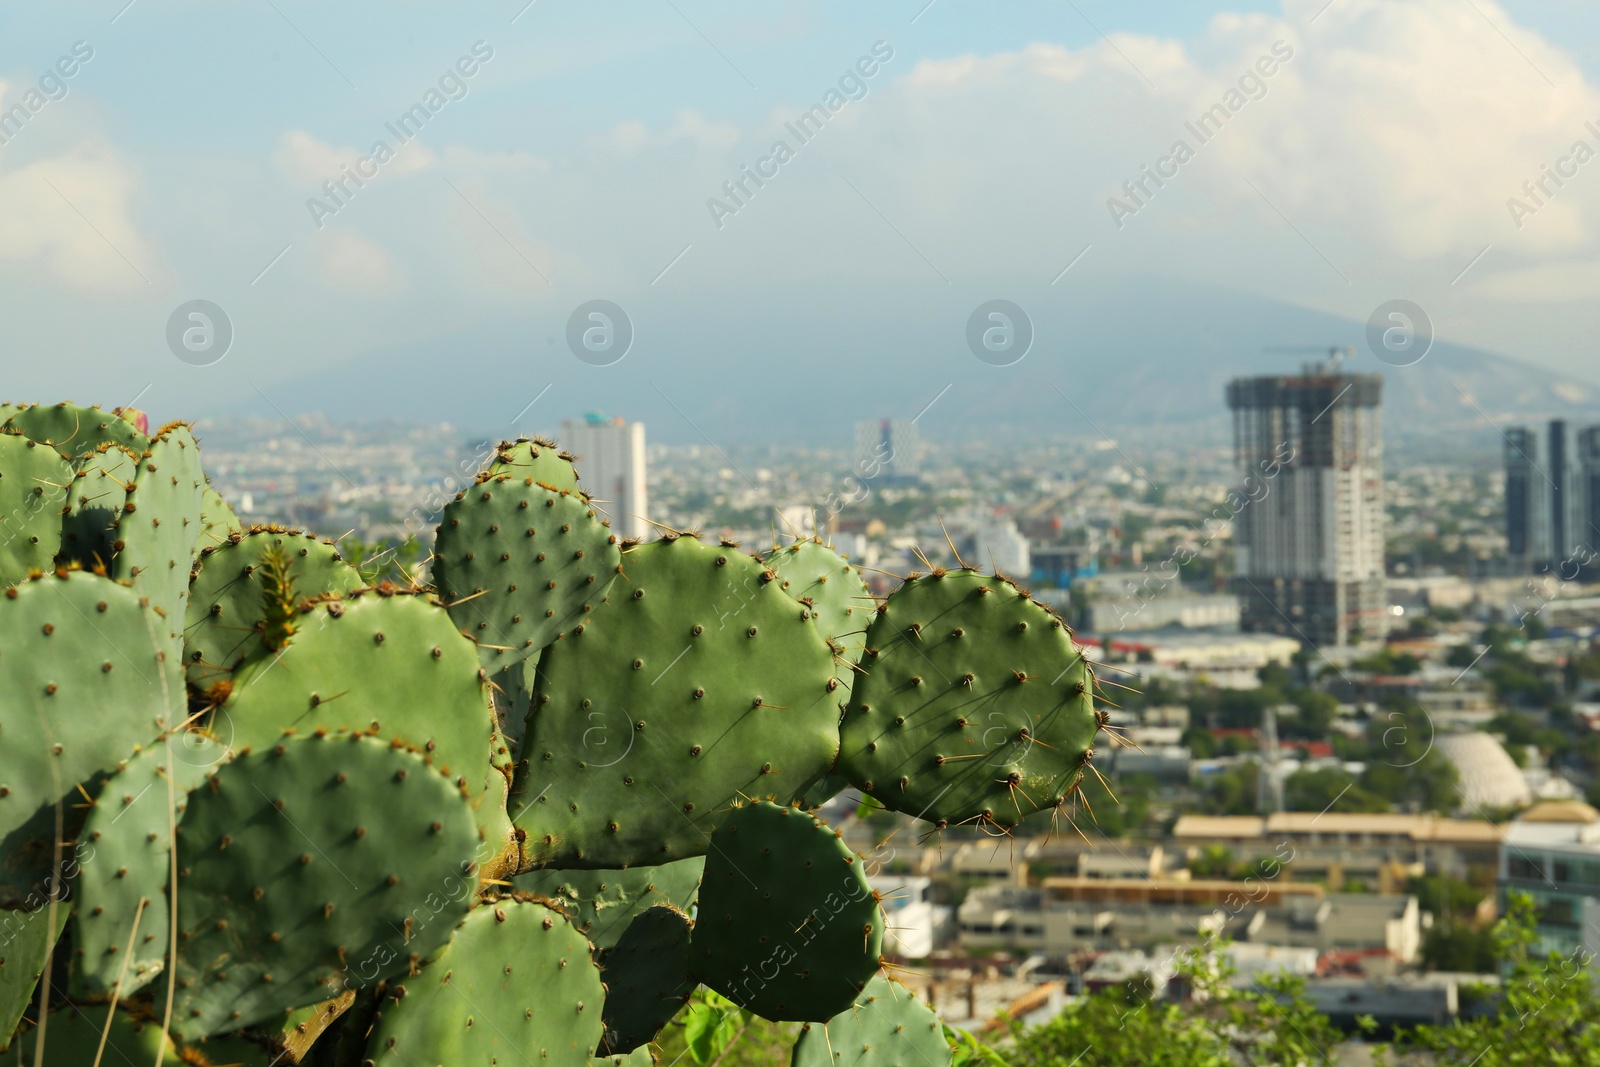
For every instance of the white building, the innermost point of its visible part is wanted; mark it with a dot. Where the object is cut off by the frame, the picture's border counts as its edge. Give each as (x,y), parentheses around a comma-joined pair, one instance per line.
(915,923)
(611,469)
(998,540)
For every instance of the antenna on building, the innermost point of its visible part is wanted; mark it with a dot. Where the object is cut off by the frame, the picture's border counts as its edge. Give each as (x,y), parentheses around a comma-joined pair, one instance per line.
(1335,353)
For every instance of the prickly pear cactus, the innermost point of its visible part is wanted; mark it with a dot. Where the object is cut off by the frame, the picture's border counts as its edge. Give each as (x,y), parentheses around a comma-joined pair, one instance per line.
(514,985)
(309,867)
(72,430)
(602,903)
(535,458)
(699,681)
(226,614)
(976,704)
(73,1034)
(95,503)
(217,522)
(648,978)
(122,888)
(518,565)
(34,482)
(824,581)
(84,686)
(26,940)
(788,925)
(887,1026)
(160,523)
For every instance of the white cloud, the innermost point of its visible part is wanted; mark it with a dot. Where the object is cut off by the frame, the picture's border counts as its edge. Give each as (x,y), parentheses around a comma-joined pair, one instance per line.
(312,161)
(463,158)
(629,139)
(351,263)
(73,215)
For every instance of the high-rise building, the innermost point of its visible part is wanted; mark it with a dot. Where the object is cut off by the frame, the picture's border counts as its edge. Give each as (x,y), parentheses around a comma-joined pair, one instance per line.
(610,462)
(888,450)
(1308,518)
(1552,494)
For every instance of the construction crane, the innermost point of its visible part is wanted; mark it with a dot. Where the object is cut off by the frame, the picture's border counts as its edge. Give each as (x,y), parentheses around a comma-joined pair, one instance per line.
(1335,353)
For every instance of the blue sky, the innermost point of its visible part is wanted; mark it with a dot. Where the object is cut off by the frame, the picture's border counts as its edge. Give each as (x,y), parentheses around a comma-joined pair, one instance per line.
(981,161)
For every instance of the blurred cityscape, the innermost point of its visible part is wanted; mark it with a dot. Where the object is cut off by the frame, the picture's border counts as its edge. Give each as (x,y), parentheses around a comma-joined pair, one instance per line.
(1354,699)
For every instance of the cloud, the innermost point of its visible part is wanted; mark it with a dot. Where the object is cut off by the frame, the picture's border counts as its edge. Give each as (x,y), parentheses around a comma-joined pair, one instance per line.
(630,139)
(463,158)
(351,263)
(72,215)
(312,161)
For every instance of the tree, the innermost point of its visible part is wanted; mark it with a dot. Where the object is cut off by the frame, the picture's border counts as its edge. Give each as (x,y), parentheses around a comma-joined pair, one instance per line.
(1458,947)
(1329,789)
(1432,783)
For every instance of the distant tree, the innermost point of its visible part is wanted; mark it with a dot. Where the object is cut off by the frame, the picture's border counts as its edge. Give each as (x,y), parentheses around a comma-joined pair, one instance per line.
(1329,789)
(1458,947)
(1432,783)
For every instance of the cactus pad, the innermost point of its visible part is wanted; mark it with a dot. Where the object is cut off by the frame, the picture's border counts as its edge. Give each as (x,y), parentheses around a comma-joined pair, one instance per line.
(699,681)
(535,458)
(514,985)
(390,664)
(128,829)
(26,940)
(217,521)
(788,926)
(518,565)
(95,503)
(160,524)
(976,704)
(647,978)
(817,576)
(225,616)
(84,686)
(313,866)
(887,1026)
(601,904)
(70,429)
(34,482)
(72,1039)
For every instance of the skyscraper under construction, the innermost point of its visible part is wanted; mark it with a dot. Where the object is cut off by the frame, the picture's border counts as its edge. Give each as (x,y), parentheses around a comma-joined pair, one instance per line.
(1308,521)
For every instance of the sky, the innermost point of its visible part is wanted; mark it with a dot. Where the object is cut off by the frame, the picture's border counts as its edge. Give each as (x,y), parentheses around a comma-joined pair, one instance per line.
(1367,151)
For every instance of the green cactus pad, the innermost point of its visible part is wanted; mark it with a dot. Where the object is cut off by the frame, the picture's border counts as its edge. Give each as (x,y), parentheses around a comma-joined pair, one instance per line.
(26,940)
(72,430)
(601,904)
(976,704)
(390,664)
(291,1038)
(222,625)
(514,985)
(84,687)
(700,681)
(817,576)
(94,506)
(887,1026)
(639,1057)
(72,1039)
(217,522)
(313,866)
(788,926)
(647,978)
(519,565)
(535,458)
(160,524)
(34,483)
(127,827)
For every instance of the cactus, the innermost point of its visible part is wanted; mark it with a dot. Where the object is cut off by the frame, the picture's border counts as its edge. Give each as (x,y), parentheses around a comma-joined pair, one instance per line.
(788,926)
(226,614)
(648,978)
(518,565)
(126,878)
(312,867)
(976,706)
(85,686)
(601,904)
(702,681)
(364,872)
(887,1026)
(34,482)
(514,985)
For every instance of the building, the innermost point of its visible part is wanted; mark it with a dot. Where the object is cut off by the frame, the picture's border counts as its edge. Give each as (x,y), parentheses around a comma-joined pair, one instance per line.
(1308,519)
(915,925)
(611,467)
(1062,916)
(1489,777)
(1552,854)
(999,545)
(1552,493)
(888,451)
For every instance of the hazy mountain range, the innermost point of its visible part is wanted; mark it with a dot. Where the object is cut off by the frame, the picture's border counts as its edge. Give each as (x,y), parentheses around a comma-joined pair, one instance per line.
(1133,358)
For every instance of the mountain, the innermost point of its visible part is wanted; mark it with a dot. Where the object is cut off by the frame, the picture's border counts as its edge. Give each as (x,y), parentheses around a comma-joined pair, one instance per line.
(1133,358)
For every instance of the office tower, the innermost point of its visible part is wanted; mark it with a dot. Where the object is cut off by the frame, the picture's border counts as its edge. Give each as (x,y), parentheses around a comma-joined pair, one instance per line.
(1552,494)
(610,462)
(1001,546)
(887,450)
(1308,518)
